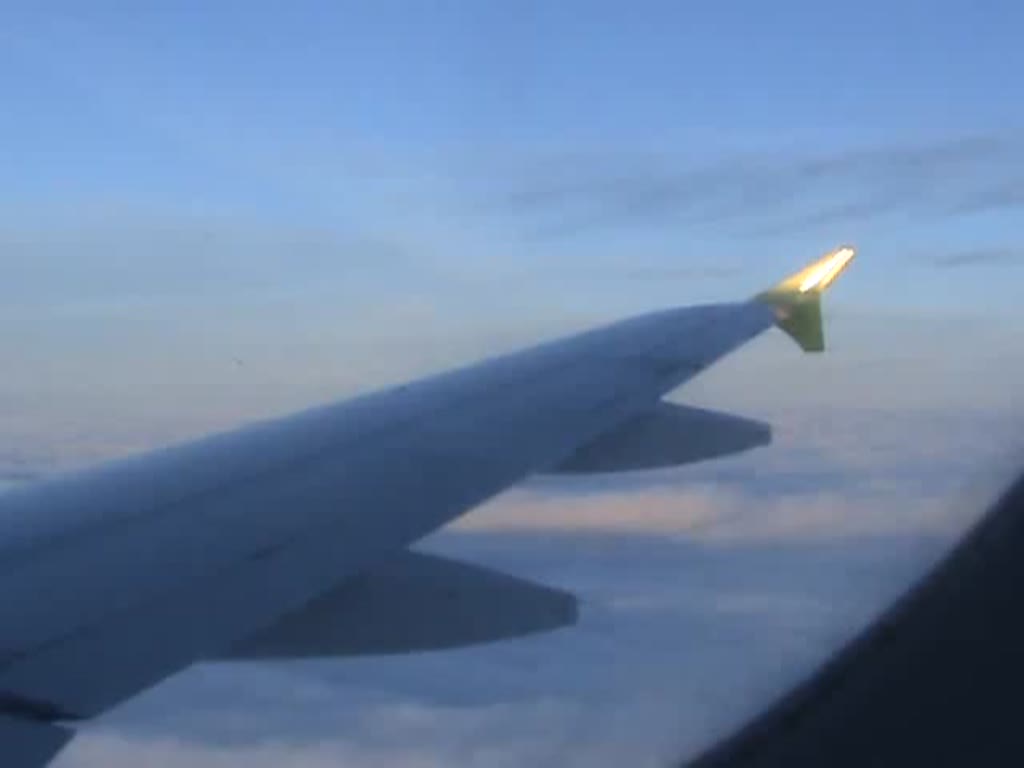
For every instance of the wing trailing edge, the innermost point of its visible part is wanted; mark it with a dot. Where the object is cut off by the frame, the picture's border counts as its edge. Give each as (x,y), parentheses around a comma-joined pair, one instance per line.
(413,602)
(668,435)
(797,299)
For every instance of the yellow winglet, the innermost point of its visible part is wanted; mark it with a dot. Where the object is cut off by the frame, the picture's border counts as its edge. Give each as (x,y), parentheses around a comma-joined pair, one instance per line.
(797,299)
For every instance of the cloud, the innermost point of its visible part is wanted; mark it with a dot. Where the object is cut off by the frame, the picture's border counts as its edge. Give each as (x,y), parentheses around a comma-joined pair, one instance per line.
(977,257)
(767,192)
(831,474)
(113,751)
(706,512)
(666,272)
(548,734)
(1008,193)
(796,545)
(127,258)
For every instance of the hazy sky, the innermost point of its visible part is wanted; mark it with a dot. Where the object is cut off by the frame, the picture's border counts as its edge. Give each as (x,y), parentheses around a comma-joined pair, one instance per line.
(323,187)
(214,211)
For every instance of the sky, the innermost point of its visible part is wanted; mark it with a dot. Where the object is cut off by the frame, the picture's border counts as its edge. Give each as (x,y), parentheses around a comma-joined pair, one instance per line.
(211,213)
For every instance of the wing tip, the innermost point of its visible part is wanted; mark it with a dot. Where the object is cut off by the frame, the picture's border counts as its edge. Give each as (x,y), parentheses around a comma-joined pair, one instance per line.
(816,277)
(797,299)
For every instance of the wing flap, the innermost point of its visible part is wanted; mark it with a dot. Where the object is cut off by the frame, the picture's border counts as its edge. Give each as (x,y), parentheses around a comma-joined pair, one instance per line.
(413,602)
(668,435)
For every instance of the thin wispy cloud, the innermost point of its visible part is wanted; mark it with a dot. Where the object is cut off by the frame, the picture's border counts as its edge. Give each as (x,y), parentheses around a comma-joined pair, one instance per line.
(669,272)
(767,192)
(980,257)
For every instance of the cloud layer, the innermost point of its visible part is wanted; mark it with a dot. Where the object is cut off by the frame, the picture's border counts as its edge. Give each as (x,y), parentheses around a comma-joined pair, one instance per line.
(677,643)
(705,593)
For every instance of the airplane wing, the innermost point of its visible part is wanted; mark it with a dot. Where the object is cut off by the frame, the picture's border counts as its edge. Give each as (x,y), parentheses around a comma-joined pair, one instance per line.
(118,577)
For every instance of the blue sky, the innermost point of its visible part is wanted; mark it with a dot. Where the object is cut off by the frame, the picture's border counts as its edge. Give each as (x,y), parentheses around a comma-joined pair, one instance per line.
(214,212)
(210,151)
(340,195)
